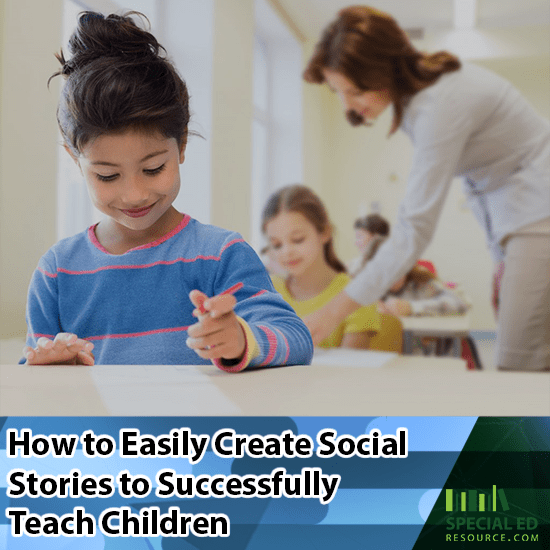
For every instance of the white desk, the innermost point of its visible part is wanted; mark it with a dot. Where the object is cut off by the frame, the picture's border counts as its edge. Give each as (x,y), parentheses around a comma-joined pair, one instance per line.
(406,386)
(451,326)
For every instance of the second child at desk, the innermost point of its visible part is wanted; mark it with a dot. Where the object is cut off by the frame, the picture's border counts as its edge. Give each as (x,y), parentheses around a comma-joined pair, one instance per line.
(146,284)
(299,232)
(421,293)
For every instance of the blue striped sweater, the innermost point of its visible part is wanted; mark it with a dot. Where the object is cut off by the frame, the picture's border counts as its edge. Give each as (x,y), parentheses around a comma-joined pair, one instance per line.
(135,307)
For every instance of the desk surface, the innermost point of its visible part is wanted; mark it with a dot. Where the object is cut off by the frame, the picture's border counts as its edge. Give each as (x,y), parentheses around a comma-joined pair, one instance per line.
(449,325)
(405,386)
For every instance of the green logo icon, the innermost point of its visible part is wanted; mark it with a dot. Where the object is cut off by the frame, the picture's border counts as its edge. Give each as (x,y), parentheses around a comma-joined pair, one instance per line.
(475,501)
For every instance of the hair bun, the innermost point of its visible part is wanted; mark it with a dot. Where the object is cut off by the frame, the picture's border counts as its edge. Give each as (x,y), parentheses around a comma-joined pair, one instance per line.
(114,35)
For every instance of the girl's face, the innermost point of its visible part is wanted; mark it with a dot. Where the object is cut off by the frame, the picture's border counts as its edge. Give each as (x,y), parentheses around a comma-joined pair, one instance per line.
(132,177)
(368,104)
(295,242)
(362,239)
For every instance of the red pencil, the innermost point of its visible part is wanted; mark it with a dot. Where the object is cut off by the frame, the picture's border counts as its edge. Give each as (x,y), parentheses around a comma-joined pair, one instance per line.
(233,289)
(230,290)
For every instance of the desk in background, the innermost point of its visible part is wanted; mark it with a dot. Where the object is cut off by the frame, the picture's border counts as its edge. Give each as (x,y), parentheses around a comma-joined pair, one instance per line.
(456,327)
(404,386)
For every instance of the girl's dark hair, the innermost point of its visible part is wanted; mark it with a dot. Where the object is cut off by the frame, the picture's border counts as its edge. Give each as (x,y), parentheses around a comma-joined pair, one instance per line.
(373,223)
(118,78)
(369,48)
(420,275)
(299,198)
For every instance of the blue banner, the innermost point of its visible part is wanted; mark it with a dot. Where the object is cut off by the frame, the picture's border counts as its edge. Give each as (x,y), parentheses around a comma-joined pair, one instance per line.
(232,483)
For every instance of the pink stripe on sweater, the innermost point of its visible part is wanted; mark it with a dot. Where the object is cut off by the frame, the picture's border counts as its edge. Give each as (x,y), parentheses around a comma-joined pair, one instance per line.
(258,293)
(286,344)
(160,240)
(186,219)
(272,339)
(52,275)
(38,335)
(225,246)
(137,334)
(143,266)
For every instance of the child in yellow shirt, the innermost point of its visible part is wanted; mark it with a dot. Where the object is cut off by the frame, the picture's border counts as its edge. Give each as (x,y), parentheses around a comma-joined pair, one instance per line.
(299,232)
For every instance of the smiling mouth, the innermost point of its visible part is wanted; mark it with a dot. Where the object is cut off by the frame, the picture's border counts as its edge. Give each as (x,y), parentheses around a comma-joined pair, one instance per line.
(138,212)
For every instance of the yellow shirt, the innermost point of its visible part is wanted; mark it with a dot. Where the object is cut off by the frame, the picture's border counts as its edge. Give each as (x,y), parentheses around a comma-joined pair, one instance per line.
(364,319)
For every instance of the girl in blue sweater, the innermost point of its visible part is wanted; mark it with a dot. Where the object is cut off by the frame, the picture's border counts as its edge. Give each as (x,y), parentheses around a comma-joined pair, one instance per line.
(143,286)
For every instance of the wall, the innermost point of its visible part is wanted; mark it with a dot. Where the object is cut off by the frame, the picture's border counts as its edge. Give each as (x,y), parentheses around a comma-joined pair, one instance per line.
(352,167)
(188,41)
(319,115)
(232,110)
(28,158)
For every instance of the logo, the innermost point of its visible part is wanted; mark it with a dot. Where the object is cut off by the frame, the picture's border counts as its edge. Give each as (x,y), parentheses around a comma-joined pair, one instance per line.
(475,515)
(475,501)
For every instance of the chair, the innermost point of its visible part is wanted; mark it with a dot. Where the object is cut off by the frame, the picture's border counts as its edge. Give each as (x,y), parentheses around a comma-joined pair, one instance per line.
(390,336)
(470,354)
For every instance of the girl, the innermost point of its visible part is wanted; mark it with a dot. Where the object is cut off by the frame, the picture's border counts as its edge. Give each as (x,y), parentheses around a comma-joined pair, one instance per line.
(296,224)
(463,121)
(368,227)
(129,286)
(420,293)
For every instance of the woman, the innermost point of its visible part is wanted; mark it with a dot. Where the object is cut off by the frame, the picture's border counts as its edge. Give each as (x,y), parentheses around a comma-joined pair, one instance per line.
(463,121)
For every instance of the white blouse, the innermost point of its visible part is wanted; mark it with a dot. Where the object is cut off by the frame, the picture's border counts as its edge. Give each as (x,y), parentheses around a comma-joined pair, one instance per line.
(475,124)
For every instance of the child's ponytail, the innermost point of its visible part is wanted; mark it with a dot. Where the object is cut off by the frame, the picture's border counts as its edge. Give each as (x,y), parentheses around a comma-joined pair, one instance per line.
(332,259)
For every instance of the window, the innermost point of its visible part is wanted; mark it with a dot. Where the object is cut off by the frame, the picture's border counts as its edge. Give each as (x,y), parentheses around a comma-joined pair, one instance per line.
(277,123)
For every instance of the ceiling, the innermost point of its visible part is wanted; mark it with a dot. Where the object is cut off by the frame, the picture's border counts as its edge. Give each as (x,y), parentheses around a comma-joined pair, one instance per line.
(311,16)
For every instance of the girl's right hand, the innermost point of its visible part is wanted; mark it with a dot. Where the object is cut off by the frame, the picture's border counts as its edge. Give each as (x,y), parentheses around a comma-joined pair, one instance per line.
(64,349)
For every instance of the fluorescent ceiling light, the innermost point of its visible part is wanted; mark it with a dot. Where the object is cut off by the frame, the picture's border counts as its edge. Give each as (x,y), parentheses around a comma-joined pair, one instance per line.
(465,12)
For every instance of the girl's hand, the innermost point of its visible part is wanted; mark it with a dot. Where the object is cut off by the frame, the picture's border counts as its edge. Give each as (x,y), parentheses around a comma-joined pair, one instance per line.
(395,306)
(218,334)
(64,349)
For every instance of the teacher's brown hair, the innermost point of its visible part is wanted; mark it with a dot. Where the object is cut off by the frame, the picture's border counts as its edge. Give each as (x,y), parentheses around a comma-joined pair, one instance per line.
(369,48)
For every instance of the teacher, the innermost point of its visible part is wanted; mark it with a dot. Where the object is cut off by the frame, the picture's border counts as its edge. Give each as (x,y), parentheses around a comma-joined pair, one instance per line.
(463,121)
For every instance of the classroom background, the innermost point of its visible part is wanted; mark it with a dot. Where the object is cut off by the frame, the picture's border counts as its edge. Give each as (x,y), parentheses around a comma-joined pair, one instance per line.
(261,126)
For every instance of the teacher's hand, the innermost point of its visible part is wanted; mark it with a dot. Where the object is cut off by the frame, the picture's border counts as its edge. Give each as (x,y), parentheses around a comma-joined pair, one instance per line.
(325,320)
(395,306)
